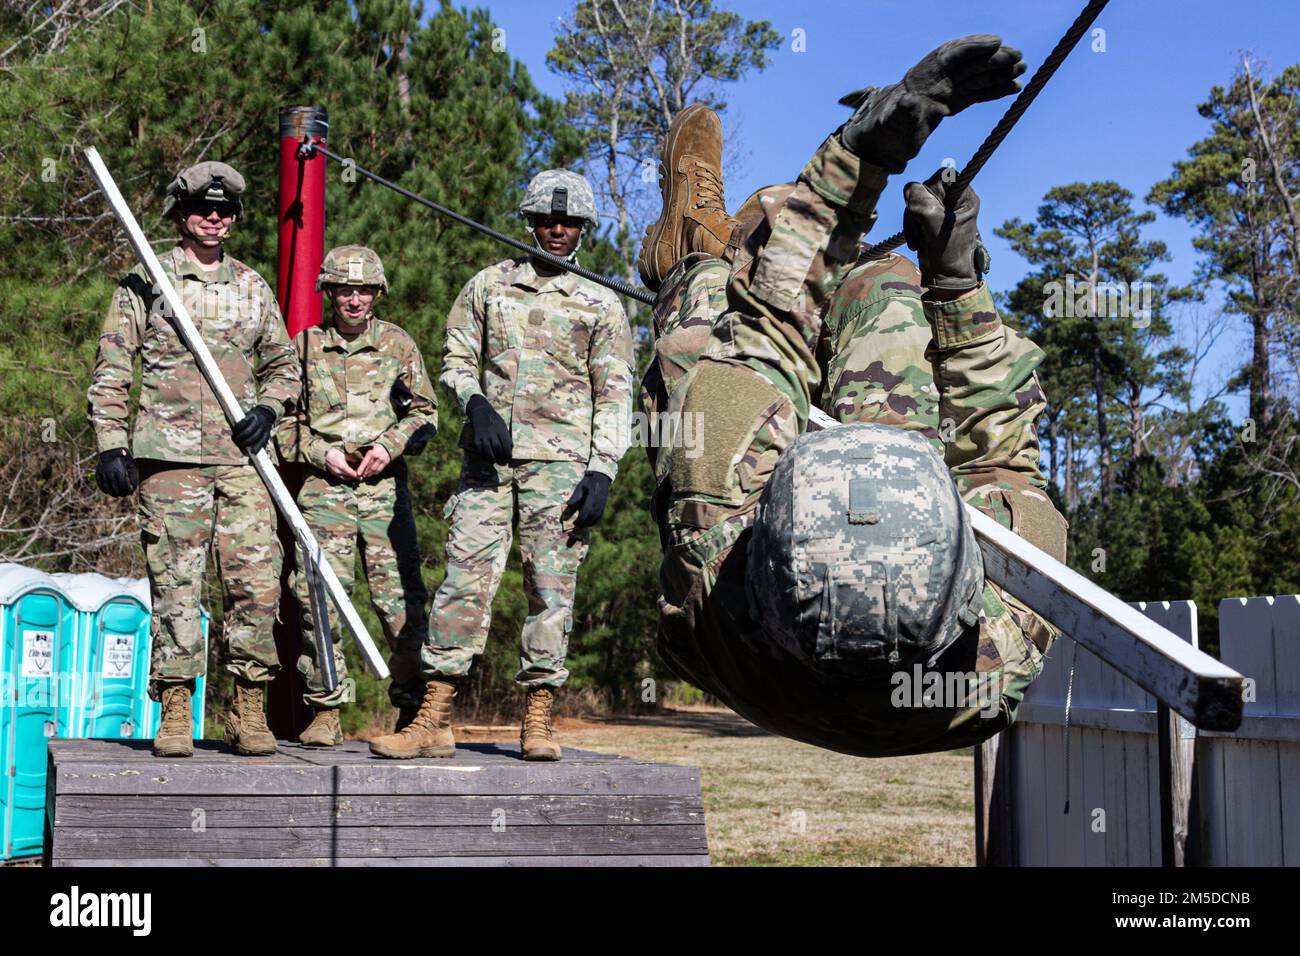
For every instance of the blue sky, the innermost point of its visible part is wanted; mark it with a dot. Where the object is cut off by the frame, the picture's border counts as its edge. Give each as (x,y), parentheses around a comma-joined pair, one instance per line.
(1124,114)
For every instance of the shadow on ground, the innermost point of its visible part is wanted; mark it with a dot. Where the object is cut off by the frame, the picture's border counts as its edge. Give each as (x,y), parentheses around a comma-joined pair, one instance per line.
(708,723)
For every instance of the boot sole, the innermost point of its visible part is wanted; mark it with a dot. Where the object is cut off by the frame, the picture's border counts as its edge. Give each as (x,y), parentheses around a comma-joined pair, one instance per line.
(654,232)
(161,752)
(545,756)
(246,752)
(425,752)
(319,743)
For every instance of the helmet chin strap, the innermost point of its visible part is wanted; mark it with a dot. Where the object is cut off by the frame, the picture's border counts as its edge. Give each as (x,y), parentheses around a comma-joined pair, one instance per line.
(572,256)
(219,240)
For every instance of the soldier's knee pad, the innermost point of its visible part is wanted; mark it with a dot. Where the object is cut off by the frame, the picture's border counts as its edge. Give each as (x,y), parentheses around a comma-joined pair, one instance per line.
(728,404)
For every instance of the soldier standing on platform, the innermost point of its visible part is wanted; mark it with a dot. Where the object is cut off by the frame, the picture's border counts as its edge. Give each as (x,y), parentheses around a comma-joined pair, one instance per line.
(197,487)
(367,402)
(540,362)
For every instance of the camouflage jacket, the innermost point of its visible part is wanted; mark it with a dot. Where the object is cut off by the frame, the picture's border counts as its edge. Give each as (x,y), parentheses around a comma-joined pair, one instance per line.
(347,392)
(882,346)
(179,418)
(552,354)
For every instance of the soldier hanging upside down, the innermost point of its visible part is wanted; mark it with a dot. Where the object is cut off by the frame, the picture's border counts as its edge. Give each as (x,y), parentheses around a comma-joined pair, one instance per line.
(809,579)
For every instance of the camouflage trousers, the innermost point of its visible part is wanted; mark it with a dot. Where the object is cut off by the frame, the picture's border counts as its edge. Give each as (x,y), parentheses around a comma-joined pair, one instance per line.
(478,543)
(184,513)
(376,515)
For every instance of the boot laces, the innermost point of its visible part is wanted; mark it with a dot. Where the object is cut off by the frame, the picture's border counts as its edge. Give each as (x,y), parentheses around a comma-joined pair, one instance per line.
(431,711)
(707,187)
(537,720)
(173,706)
(252,717)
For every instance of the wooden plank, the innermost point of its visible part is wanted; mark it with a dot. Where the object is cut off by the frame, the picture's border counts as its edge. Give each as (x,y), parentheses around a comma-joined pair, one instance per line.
(1175,745)
(1211,820)
(1055,797)
(251,776)
(1205,691)
(1074,823)
(1098,718)
(1112,751)
(1253,774)
(1034,845)
(258,843)
(610,860)
(994,822)
(1092,776)
(1286,651)
(352,751)
(1141,795)
(172,811)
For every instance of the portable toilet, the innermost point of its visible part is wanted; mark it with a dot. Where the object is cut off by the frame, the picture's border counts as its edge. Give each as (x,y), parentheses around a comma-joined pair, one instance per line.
(38,670)
(151,709)
(113,653)
(74,660)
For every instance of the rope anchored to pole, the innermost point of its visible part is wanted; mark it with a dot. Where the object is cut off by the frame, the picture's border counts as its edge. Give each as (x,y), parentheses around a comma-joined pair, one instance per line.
(1009,119)
(310,147)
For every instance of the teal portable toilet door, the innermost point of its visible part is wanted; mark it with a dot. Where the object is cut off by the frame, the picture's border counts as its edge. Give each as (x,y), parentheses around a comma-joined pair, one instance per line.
(118,666)
(36,650)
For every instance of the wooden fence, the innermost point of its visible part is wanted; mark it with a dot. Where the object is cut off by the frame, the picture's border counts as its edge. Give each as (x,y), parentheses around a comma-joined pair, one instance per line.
(1142,786)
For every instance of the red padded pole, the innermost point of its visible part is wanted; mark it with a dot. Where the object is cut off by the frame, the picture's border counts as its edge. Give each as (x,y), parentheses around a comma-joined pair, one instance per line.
(302,247)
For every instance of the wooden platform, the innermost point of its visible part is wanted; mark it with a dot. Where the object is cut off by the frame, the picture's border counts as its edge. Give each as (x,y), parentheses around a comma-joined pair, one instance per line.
(112,803)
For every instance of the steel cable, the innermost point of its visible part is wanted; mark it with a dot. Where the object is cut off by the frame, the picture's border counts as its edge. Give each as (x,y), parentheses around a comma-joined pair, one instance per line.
(1009,119)
(641,295)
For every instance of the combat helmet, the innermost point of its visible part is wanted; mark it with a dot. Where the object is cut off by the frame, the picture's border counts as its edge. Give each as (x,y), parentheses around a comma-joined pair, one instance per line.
(209,180)
(560,192)
(862,560)
(352,265)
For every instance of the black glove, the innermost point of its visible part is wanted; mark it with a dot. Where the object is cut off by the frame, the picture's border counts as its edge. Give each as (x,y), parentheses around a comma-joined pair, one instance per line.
(891,124)
(947,241)
(589,498)
(116,473)
(415,444)
(254,429)
(491,436)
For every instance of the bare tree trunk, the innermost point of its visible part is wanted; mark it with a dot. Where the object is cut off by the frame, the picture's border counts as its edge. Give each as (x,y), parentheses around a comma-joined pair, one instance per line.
(1071,492)
(1274,166)
(1099,384)
(1136,419)
(1261,388)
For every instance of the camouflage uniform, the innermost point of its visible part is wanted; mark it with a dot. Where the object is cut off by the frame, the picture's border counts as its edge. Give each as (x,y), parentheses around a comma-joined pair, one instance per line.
(753,384)
(552,355)
(196,486)
(346,405)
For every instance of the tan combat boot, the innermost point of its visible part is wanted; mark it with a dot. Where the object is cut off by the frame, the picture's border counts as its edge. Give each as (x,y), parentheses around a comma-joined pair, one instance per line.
(429,732)
(324,730)
(694,215)
(404,717)
(246,728)
(535,740)
(175,737)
